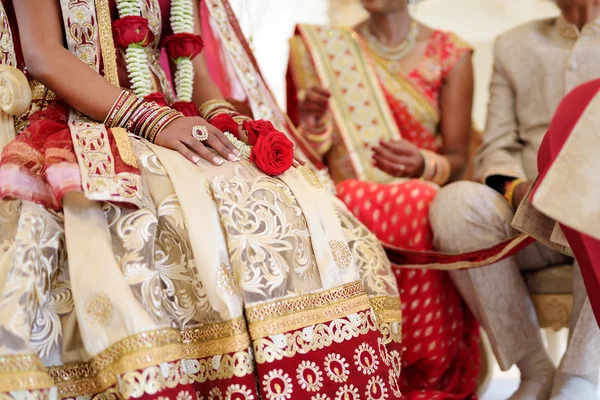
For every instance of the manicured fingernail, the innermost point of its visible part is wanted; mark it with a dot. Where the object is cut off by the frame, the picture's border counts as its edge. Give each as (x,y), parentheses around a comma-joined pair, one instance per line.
(195,159)
(217,161)
(237,152)
(233,158)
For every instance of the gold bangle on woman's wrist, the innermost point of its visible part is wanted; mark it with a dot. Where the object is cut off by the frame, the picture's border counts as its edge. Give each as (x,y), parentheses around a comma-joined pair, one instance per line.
(436,168)
(145,119)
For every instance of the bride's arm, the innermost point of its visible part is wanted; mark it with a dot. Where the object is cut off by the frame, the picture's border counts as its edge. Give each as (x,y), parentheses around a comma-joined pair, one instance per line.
(41,33)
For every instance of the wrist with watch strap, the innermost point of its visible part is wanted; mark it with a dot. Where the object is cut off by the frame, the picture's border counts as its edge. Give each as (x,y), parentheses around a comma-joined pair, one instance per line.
(509,190)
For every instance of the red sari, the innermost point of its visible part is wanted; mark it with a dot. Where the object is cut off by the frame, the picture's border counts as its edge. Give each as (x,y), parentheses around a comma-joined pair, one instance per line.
(441,338)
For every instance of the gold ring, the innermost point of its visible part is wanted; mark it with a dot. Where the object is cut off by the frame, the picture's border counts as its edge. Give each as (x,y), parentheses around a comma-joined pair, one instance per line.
(200,133)
(301,95)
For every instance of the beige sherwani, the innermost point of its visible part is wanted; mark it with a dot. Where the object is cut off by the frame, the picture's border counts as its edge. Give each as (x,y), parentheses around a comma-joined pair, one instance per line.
(535,66)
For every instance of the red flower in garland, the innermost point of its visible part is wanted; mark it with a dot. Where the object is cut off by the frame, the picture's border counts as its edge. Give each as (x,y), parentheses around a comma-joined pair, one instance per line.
(132,30)
(256,128)
(158,98)
(183,45)
(188,109)
(225,123)
(273,153)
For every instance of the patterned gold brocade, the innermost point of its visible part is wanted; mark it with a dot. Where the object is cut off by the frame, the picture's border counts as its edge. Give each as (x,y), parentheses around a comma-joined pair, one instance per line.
(23,370)
(298,312)
(341,254)
(311,177)
(387,309)
(107,43)
(124,145)
(215,339)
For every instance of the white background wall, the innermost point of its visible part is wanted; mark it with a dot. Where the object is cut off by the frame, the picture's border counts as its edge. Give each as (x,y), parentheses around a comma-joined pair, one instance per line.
(271,23)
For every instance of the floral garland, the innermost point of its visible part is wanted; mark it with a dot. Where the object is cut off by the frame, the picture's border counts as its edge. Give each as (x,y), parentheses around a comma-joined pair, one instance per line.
(133,34)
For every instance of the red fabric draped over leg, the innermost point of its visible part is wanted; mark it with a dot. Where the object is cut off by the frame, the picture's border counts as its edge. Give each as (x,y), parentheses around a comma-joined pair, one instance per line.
(585,248)
(441,337)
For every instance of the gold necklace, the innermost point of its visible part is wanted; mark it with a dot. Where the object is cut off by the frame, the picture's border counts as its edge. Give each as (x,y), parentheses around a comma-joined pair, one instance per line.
(395,53)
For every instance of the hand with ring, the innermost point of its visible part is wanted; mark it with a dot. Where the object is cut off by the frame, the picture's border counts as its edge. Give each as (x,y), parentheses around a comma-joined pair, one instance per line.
(399,158)
(192,136)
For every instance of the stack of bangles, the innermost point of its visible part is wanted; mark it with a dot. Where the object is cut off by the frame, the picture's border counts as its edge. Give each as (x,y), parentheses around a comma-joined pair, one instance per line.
(145,119)
(437,167)
(212,108)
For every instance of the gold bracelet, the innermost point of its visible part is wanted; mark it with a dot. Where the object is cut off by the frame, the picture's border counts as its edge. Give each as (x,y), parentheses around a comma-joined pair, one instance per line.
(210,106)
(510,191)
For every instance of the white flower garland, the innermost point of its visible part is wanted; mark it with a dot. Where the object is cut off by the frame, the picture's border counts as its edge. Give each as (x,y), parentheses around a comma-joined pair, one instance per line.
(182,21)
(244,148)
(138,68)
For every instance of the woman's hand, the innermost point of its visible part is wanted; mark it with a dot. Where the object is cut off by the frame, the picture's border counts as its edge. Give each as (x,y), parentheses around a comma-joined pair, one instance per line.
(313,107)
(399,158)
(519,193)
(178,136)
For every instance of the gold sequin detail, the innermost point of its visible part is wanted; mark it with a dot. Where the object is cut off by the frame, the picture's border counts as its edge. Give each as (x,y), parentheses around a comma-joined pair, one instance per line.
(311,177)
(23,371)
(341,254)
(215,339)
(107,43)
(226,279)
(124,145)
(73,380)
(98,310)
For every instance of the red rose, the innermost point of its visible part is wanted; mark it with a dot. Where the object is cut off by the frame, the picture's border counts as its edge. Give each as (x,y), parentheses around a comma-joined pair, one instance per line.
(188,109)
(256,128)
(132,30)
(158,98)
(183,45)
(273,153)
(225,123)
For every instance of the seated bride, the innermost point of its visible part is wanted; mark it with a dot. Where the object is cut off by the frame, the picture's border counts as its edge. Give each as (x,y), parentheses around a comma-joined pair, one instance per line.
(157,243)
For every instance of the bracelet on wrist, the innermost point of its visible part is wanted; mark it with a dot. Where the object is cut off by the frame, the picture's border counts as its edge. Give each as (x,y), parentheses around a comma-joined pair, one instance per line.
(144,119)
(510,191)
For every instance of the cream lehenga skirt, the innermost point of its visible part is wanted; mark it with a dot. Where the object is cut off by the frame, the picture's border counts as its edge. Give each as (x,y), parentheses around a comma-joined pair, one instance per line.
(225,284)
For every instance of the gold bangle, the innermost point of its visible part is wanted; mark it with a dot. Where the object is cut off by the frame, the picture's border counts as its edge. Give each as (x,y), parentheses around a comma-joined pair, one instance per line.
(209,106)
(510,191)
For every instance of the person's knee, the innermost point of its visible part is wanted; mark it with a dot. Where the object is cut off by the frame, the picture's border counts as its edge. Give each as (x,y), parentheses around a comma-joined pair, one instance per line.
(463,207)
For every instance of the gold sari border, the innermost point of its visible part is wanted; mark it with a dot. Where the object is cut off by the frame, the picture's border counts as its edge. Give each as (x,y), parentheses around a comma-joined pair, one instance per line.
(387,309)
(350,126)
(282,307)
(23,371)
(107,42)
(292,314)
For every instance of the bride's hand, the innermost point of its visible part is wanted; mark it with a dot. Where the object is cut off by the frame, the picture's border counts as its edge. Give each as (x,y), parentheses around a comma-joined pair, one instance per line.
(178,136)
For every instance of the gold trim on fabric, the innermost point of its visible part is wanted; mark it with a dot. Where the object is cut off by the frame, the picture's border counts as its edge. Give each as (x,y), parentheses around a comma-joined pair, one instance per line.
(387,309)
(468,264)
(107,43)
(215,339)
(73,380)
(335,330)
(124,145)
(23,371)
(287,315)
(361,112)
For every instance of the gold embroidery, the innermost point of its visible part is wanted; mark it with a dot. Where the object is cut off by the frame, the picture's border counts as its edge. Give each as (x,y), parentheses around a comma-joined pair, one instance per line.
(107,43)
(311,177)
(73,380)
(282,307)
(319,336)
(277,385)
(7,49)
(226,279)
(337,368)
(341,254)
(215,339)
(124,145)
(387,309)
(309,376)
(227,366)
(365,359)
(98,310)
(23,371)
(376,389)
